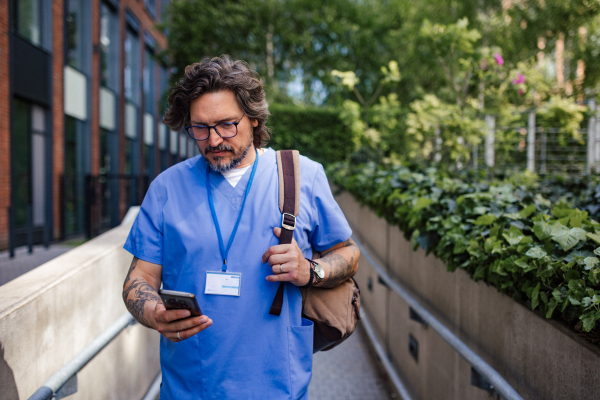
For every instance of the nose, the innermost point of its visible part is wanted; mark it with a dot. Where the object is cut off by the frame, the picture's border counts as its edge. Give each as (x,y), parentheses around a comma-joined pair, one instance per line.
(213,138)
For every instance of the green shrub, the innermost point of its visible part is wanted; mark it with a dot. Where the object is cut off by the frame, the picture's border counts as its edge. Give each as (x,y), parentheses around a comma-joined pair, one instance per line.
(317,133)
(542,254)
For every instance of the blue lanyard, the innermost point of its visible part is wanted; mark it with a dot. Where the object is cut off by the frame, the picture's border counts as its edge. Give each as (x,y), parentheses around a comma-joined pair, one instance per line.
(224,251)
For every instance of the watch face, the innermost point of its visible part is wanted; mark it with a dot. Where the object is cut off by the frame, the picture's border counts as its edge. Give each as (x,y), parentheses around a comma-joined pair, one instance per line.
(319,271)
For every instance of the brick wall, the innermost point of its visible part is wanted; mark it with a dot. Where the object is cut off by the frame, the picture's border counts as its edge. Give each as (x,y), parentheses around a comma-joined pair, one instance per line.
(4,123)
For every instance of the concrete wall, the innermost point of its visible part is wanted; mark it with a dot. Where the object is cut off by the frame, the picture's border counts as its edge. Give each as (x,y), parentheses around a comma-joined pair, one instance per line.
(50,314)
(541,359)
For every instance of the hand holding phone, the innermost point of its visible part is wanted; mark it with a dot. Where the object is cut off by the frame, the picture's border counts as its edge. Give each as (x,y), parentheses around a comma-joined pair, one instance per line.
(174,300)
(172,319)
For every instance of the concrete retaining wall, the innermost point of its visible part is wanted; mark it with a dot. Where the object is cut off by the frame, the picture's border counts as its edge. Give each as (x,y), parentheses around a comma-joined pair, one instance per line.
(50,314)
(541,359)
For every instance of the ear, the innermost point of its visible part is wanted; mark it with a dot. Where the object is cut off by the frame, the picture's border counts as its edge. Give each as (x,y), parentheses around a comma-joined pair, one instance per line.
(254,123)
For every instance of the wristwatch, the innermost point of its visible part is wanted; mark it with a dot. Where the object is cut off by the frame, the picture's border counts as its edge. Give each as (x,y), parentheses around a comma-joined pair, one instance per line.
(317,271)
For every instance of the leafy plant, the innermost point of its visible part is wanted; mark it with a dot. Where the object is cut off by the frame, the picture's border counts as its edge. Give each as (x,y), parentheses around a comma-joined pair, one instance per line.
(543,254)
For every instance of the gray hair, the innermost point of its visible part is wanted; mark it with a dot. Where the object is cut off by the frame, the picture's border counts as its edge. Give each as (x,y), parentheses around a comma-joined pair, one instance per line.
(214,75)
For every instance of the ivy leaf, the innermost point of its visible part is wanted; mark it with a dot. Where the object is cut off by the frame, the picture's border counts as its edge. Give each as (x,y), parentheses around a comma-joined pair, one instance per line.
(536,252)
(590,262)
(527,211)
(485,220)
(535,301)
(422,203)
(589,320)
(562,210)
(522,262)
(597,251)
(514,236)
(543,229)
(551,306)
(567,238)
(594,237)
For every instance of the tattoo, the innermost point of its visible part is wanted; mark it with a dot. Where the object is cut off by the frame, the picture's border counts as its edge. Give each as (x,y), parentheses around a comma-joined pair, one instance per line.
(142,293)
(340,267)
(131,268)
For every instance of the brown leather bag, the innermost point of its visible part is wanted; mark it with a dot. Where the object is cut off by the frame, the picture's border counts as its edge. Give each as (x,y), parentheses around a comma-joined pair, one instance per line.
(335,312)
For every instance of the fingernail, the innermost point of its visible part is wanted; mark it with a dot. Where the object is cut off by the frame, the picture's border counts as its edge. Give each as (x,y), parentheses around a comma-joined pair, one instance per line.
(185,313)
(203,319)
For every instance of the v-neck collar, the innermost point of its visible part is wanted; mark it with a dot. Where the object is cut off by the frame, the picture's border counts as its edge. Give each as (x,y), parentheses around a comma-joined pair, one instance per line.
(235,194)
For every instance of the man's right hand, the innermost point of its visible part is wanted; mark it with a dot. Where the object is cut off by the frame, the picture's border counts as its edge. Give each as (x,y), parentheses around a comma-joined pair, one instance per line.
(171,322)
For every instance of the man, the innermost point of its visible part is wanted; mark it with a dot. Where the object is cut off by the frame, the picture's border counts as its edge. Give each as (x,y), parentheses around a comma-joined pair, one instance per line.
(218,213)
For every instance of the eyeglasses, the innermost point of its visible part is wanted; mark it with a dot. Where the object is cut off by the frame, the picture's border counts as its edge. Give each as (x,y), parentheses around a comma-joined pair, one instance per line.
(225,130)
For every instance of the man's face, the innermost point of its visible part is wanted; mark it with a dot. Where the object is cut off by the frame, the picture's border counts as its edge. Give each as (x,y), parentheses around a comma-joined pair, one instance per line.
(215,108)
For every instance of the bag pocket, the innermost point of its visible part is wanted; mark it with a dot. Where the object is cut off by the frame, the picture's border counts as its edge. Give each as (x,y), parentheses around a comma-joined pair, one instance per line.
(300,340)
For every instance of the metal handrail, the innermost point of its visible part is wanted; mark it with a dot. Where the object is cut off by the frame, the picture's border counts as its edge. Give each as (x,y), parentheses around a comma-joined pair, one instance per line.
(60,379)
(499,384)
(387,364)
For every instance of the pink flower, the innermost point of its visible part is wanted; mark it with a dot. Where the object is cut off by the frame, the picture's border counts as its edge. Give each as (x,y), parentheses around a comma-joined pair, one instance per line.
(520,79)
(499,59)
(521,92)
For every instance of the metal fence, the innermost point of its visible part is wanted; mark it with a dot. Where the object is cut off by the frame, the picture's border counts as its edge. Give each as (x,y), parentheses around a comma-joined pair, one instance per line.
(540,149)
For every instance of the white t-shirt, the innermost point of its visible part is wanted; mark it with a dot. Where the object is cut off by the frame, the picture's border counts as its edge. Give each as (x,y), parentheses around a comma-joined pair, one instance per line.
(233,176)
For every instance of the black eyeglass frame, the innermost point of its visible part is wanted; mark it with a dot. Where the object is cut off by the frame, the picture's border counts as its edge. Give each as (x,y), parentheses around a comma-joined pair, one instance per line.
(188,129)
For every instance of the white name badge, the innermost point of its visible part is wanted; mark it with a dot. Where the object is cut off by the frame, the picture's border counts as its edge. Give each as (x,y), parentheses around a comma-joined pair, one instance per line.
(223,283)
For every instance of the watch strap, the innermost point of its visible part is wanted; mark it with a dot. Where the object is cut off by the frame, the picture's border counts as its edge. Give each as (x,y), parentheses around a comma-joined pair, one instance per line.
(310,281)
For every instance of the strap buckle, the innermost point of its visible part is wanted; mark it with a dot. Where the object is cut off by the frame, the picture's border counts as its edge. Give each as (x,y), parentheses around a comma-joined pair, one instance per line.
(285,225)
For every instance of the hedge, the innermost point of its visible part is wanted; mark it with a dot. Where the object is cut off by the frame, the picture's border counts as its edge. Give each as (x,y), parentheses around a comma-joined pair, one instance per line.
(542,254)
(316,132)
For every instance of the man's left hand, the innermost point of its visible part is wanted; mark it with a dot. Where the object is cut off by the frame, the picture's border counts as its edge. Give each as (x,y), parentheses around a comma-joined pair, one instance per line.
(287,262)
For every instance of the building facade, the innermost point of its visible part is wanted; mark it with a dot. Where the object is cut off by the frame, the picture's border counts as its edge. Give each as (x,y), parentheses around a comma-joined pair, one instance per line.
(82,86)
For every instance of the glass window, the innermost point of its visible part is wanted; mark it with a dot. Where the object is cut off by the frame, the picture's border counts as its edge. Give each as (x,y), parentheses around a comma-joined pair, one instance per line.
(27,19)
(109,47)
(151,7)
(74,179)
(149,81)
(21,160)
(75,33)
(132,67)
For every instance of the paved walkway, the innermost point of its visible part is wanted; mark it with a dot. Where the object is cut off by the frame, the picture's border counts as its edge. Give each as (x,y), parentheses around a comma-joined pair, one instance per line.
(350,371)
(11,268)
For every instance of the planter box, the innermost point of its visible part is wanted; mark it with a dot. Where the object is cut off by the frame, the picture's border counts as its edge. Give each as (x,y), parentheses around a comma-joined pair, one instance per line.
(540,358)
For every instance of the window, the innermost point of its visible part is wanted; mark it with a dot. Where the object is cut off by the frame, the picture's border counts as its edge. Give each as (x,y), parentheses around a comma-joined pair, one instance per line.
(132,67)
(76,33)
(74,179)
(149,81)
(27,19)
(151,7)
(109,47)
(21,160)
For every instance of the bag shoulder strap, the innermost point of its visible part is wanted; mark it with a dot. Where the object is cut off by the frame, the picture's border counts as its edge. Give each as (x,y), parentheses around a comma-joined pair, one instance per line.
(288,169)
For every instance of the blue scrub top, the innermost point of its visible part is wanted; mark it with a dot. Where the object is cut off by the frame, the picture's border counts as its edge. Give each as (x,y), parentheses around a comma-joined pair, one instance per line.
(247,353)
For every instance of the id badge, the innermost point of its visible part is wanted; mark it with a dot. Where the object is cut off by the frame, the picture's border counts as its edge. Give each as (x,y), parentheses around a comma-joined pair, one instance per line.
(223,283)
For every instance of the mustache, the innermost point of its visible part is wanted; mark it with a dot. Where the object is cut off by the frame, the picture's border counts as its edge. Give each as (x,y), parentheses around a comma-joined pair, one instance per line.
(220,147)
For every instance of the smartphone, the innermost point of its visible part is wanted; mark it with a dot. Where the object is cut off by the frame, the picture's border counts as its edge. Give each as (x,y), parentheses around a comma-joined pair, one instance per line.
(174,300)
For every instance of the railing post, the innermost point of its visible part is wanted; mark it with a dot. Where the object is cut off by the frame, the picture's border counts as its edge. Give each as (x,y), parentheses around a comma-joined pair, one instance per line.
(475,156)
(490,129)
(531,141)
(591,138)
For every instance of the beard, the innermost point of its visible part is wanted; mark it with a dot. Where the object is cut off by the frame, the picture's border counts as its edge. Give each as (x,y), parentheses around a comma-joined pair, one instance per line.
(219,164)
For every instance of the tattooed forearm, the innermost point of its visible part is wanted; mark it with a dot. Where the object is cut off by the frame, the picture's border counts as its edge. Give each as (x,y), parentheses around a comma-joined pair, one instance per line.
(342,263)
(131,268)
(141,292)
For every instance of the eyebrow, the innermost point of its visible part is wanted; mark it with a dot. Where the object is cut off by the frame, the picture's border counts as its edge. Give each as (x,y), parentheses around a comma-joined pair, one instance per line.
(229,119)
